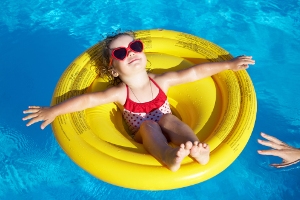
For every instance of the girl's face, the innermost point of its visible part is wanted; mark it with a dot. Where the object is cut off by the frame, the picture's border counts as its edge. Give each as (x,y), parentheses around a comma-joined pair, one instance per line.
(132,63)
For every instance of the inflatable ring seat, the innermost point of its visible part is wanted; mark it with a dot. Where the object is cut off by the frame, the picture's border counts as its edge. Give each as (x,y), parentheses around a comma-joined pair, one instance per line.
(220,109)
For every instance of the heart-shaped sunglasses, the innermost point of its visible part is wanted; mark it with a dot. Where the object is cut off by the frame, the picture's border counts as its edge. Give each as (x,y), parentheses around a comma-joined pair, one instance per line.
(121,53)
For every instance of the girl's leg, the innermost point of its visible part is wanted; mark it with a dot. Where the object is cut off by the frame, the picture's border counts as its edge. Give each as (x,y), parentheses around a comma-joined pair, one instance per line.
(156,144)
(178,132)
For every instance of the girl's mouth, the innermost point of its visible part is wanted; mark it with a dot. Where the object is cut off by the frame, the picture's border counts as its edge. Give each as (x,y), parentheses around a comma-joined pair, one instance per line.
(135,59)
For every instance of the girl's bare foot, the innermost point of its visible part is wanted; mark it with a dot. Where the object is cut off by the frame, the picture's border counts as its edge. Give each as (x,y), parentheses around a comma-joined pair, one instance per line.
(200,152)
(174,156)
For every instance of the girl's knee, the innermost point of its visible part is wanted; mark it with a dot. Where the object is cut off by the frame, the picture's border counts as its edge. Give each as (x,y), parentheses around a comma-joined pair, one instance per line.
(149,127)
(149,124)
(146,127)
(166,118)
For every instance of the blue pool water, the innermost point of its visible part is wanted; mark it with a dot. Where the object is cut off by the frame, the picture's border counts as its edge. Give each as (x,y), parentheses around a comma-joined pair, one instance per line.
(39,38)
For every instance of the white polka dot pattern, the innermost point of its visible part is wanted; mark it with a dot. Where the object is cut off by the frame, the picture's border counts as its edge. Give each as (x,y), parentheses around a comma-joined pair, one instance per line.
(134,120)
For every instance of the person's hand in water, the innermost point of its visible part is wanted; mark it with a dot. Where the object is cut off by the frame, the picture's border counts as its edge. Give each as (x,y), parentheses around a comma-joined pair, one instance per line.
(37,114)
(289,154)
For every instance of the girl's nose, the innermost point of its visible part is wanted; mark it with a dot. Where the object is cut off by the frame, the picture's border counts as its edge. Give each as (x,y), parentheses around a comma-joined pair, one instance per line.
(130,53)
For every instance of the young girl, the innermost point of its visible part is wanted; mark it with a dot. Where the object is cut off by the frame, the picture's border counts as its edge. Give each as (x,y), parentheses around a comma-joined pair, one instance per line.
(143,96)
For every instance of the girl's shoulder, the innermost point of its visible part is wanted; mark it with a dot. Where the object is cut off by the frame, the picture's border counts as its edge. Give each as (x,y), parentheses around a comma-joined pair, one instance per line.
(160,80)
(117,93)
(120,88)
(121,91)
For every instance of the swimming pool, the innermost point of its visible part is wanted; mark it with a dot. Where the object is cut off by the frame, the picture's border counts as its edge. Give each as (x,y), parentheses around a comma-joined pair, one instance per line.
(38,39)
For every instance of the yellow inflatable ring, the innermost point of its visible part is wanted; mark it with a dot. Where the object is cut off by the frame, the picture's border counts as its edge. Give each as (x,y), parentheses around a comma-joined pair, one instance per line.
(220,109)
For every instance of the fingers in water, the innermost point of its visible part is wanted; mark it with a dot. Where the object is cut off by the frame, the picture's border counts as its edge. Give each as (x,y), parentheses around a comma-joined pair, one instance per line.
(32,109)
(33,115)
(34,120)
(44,124)
(270,152)
(271,138)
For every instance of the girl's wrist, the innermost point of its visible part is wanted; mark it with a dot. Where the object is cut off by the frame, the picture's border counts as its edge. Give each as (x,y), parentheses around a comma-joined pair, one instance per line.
(54,110)
(227,64)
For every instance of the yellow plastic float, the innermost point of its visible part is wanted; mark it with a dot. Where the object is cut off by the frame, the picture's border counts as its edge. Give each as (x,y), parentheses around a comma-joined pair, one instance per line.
(220,109)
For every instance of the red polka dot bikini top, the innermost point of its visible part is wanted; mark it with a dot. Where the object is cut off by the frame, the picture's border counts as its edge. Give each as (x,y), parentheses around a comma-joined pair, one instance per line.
(135,113)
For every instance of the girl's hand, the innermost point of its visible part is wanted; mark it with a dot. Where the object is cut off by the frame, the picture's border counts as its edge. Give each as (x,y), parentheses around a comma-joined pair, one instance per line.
(241,62)
(37,114)
(289,155)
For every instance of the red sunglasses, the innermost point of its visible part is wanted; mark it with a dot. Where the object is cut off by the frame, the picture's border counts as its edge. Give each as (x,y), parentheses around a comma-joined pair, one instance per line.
(121,53)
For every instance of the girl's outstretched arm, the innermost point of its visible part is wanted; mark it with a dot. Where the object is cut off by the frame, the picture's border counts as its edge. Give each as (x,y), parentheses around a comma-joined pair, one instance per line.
(205,70)
(81,102)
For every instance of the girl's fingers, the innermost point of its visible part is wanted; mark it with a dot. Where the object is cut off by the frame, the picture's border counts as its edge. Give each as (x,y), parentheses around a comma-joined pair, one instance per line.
(34,120)
(45,123)
(33,115)
(243,66)
(244,56)
(248,62)
(246,59)
(32,109)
